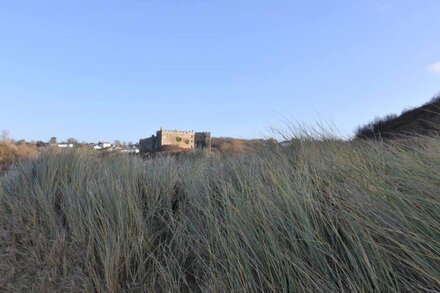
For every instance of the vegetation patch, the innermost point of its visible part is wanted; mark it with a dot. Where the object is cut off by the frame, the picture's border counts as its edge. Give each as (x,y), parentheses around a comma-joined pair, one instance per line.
(424,120)
(314,216)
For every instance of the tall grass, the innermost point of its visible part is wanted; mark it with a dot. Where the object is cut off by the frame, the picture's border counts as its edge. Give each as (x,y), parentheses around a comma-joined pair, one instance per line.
(314,216)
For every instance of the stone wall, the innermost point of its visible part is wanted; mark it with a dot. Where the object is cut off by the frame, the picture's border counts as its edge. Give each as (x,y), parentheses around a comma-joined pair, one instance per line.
(202,140)
(181,139)
(148,145)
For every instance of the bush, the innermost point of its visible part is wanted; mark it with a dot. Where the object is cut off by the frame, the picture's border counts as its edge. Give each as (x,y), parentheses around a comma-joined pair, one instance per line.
(314,216)
(11,152)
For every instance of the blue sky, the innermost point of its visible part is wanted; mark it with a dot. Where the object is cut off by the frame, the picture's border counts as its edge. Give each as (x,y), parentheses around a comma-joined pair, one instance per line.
(105,70)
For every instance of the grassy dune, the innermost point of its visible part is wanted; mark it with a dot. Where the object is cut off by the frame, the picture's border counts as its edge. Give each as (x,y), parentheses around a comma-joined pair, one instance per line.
(315,216)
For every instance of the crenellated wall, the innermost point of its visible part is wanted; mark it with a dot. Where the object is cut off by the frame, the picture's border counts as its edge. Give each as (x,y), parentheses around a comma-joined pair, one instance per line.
(180,139)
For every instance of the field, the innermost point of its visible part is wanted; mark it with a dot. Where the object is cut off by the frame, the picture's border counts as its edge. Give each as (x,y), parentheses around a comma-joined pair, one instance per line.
(316,215)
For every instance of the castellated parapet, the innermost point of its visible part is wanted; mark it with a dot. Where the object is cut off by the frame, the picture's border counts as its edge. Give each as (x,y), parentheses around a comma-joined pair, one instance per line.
(185,140)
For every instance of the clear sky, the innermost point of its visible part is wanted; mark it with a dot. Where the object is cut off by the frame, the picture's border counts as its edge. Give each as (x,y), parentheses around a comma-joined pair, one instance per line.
(105,70)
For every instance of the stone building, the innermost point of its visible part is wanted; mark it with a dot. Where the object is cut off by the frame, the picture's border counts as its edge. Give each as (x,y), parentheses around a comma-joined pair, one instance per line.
(202,140)
(181,139)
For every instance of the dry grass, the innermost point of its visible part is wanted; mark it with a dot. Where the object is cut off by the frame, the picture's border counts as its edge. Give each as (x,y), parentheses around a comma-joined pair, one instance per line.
(314,216)
(11,152)
(228,145)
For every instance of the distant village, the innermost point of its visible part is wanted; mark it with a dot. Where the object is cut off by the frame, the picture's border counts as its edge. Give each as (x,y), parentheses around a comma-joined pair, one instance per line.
(173,141)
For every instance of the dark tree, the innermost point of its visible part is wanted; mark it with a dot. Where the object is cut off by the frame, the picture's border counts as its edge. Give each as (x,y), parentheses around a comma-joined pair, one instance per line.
(72,140)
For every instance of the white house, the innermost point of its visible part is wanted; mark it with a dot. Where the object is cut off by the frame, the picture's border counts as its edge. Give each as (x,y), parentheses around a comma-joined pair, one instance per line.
(65,145)
(102,145)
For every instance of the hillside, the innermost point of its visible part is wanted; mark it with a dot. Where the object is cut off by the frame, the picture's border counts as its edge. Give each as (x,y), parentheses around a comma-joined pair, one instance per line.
(424,120)
(221,145)
(228,145)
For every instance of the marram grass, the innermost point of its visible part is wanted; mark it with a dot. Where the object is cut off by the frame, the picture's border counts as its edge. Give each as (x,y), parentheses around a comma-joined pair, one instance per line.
(321,216)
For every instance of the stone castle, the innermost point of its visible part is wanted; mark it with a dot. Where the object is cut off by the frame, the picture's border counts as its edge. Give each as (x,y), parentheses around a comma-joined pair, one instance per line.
(181,139)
